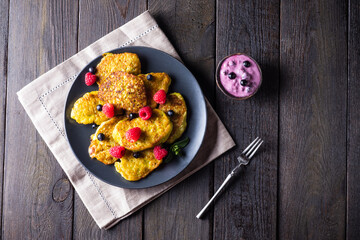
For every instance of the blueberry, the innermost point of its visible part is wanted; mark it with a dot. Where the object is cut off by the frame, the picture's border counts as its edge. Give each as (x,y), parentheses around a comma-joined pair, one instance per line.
(243,82)
(246,63)
(149,77)
(93,126)
(136,154)
(99,107)
(170,113)
(100,136)
(92,70)
(132,116)
(232,75)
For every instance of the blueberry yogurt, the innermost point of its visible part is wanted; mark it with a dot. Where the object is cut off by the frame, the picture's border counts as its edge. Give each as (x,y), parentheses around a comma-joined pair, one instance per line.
(239,75)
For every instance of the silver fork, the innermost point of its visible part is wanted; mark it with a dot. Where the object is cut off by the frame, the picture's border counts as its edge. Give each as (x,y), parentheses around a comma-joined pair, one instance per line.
(243,159)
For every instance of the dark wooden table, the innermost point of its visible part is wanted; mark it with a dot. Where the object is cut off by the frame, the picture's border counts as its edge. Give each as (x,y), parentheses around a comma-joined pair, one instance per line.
(305,183)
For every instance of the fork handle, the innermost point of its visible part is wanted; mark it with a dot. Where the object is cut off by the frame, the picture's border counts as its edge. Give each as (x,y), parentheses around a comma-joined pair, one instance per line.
(223,185)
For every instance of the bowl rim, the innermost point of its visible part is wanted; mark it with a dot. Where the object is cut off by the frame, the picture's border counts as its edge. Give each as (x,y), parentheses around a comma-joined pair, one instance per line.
(221,87)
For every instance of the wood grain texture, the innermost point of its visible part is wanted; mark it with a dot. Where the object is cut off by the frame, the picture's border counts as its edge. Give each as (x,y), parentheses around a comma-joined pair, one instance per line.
(96,19)
(4,13)
(247,210)
(353,140)
(303,184)
(190,27)
(313,120)
(41,35)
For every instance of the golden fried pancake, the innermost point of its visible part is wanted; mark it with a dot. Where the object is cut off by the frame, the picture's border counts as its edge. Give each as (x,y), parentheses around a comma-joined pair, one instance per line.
(176,102)
(154,131)
(84,110)
(100,149)
(124,90)
(133,169)
(123,62)
(158,81)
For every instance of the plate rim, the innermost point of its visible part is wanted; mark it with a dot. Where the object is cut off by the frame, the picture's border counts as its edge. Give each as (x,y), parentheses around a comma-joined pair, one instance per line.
(202,97)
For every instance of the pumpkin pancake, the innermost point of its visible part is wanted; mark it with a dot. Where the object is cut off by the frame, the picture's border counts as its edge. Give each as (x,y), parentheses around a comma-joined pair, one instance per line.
(154,131)
(134,169)
(100,149)
(123,62)
(123,90)
(156,82)
(85,112)
(176,103)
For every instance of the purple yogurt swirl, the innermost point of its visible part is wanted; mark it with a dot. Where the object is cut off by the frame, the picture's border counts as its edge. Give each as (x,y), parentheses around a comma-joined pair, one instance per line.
(240,75)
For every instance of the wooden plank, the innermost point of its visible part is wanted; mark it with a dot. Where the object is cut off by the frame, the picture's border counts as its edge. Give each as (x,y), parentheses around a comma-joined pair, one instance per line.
(4,13)
(353,164)
(190,27)
(96,19)
(247,210)
(196,48)
(37,199)
(313,120)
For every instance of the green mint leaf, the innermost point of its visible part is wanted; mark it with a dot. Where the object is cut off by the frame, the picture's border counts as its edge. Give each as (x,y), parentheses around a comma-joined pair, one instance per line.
(169,157)
(183,142)
(176,149)
(177,152)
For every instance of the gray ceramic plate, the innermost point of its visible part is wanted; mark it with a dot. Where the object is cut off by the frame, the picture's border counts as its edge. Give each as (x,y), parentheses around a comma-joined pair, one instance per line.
(183,81)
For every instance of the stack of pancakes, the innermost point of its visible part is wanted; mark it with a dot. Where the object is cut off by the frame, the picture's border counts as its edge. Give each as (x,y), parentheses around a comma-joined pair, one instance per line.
(122,85)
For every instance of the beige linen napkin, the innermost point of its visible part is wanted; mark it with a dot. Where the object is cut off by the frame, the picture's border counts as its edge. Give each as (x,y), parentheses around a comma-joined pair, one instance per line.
(44,99)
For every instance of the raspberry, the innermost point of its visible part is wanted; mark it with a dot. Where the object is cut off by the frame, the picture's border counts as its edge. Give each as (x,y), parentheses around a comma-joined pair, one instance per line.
(90,79)
(117,151)
(160,153)
(108,110)
(145,113)
(133,134)
(160,97)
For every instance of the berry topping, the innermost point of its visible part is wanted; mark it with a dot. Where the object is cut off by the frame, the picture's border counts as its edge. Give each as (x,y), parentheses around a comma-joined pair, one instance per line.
(145,113)
(160,97)
(132,116)
(93,126)
(225,72)
(246,64)
(133,134)
(149,77)
(92,70)
(117,151)
(244,75)
(101,137)
(109,110)
(90,79)
(170,113)
(136,154)
(243,82)
(232,75)
(160,153)
(99,107)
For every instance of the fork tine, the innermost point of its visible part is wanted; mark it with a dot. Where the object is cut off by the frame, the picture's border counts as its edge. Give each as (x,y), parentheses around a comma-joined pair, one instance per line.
(250,145)
(256,149)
